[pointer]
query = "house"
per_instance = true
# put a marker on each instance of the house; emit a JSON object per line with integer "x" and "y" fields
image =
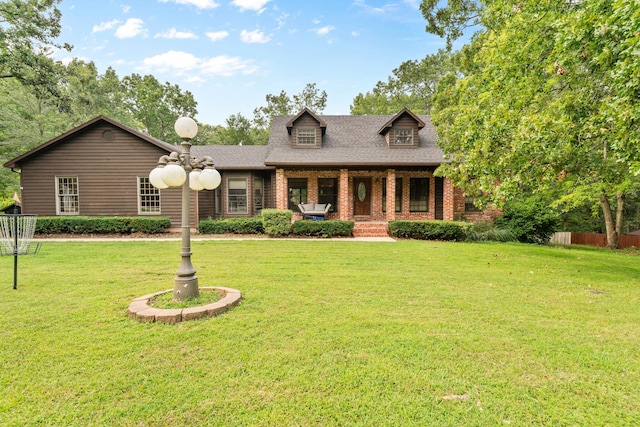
{"x": 370, "y": 168}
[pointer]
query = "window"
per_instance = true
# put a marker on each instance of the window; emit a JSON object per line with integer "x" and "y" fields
{"x": 328, "y": 192}
{"x": 67, "y": 200}
{"x": 297, "y": 192}
{"x": 306, "y": 136}
{"x": 258, "y": 195}
{"x": 419, "y": 194}
{"x": 398, "y": 195}
{"x": 469, "y": 205}
{"x": 237, "y": 196}
{"x": 148, "y": 197}
{"x": 404, "y": 136}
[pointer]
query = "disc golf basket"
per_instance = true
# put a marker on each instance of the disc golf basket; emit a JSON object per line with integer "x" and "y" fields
{"x": 16, "y": 232}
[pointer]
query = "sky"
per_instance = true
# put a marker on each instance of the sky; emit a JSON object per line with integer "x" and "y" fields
{"x": 231, "y": 53}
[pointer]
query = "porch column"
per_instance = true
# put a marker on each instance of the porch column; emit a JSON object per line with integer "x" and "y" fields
{"x": 281, "y": 190}
{"x": 448, "y": 200}
{"x": 391, "y": 194}
{"x": 343, "y": 197}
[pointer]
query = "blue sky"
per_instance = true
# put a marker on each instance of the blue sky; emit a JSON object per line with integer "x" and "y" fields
{"x": 231, "y": 53}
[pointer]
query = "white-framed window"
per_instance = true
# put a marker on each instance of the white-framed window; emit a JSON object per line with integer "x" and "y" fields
{"x": 258, "y": 195}
{"x": 148, "y": 197}
{"x": 404, "y": 136}
{"x": 237, "y": 196}
{"x": 306, "y": 136}
{"x": 67, "y": 196}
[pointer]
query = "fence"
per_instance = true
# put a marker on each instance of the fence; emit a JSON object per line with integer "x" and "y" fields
{"x": 593, "y": 239}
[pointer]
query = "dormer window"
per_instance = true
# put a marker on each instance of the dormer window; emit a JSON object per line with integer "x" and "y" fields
{"x": 306, "y": 136}
{"x": 404, "y": 136}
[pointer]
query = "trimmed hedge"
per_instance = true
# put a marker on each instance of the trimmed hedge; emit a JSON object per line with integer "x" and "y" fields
{"x": 231, "y": 226}
{"x": 101, "y": 225}
{"x": 330, "y": 228}
{"x": 276, "y": 222}
{"x": 430, "y": 230}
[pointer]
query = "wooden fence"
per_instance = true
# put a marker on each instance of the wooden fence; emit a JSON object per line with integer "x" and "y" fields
{"x": 593, "y": 239}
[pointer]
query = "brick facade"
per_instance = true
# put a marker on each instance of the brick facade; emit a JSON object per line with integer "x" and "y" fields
{"x": 346, "y": 194}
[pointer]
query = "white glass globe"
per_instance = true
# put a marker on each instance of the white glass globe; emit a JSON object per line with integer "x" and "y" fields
{"x": 210, "y": 178}
{"x": 194, "y": 180}
{"x": 186, "y": 127}
{"x": 173, "y": 175}
{"x": 155, "y": 178}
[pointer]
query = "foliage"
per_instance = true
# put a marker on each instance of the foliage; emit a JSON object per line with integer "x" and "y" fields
{"x": 412, "y": 85}
{"x": 156, "y": 106}
{"x": 329, "y": 228}
{"x": 330, "y": 333}
{"x": 276, "y": 222}
{"x": 490, "y": 232}
{"x": 531, "y": 220}
{"x": 429, "y": 230}
{"x": 284, "y": 105}
{"x": 101, "y": 225}
{"x": 28, "y": 33}
{"x": 231, "y": 226}
{"x": 545, "y": 99}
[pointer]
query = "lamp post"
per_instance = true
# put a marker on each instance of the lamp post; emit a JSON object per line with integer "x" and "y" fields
{"x": 181, "y": 169}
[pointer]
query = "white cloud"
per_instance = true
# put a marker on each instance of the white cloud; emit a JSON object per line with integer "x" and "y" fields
{"x": 414, "y": 4}
{"x": 132, "y": 28}
{"x": 175, "y": 34}
{"x": 355, "y": 33}
{"x": 256, "y": 5}
{"x": 214, "y": 36}
{"x": 200, "y": 4}
{"x": 104, "y": 26}
{"x": 255, "y": 36}
{"x": 126, "y": 9}
{"x": 171, "y": 61}
{"x": 384, "y": 9}
{"x": 224, "y": 65}
{"x": 323, "y": 31}
{"x": 191, "y": 67}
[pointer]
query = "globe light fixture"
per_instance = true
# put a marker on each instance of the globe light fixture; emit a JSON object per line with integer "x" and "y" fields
{"x": 190, "y": 173}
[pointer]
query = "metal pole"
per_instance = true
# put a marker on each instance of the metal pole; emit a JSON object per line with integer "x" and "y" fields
{"x": 15, "y": 248}
{"x": 186, "y": 281}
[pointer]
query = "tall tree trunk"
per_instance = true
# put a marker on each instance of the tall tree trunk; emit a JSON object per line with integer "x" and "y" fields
{"x": 612, "y": 234}
{"x": 620, "y": 213}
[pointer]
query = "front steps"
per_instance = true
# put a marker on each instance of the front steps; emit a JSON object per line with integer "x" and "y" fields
{"x": 371, "y": 229}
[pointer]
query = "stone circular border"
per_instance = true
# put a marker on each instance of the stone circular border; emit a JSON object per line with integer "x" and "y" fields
{"x": 140, "y": 309}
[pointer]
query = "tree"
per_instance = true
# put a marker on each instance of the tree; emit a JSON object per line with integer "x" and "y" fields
{"x": 283, "y": 105}
{"x": 28, "y": 29}
{"x": 546, "y": 99}
{"x": 412, "y": 85}
{"x": 156, "y": 107}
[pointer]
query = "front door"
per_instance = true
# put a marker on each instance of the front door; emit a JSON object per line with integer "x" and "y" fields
{"x": 362, "y": 196}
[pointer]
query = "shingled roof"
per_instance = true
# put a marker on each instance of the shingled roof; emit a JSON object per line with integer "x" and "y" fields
{"x": 234, "y": 157}
{"x": 353, "y": 141}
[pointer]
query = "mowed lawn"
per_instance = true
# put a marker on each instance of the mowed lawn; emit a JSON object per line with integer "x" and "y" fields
{"x": 330, "y": 333}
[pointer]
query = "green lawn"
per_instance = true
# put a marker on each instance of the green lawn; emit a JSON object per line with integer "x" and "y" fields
{"x": 330, "y": 333}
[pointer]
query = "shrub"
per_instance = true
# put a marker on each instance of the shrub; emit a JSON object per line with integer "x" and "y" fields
{"x": 100, "y": 225}
{"x": 231, "y": 226}
{"x": 429, "y": 230}
{"x": 330, "y": 228}
{"x": 276, "y": 223}
{"x": 531, "y": 220}
{"x": 489, "y": 232}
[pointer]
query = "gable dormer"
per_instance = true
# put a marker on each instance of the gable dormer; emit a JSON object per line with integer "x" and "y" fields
{"x": 402, "y": 130}
{"x": 306, "y": 130}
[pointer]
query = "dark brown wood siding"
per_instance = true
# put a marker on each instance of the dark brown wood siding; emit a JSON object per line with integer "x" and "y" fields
{"x": 403, "y": 122}
{"x": 306, "y": 122}
{"x": 107, "y": 169}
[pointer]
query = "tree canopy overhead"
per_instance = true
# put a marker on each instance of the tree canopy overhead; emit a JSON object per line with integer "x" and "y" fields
{"x": 547, "y": 98}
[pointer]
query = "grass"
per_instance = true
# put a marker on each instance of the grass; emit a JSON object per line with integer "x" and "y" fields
{"x": 330, "y": 333}
{"x": 166, "y": 300}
